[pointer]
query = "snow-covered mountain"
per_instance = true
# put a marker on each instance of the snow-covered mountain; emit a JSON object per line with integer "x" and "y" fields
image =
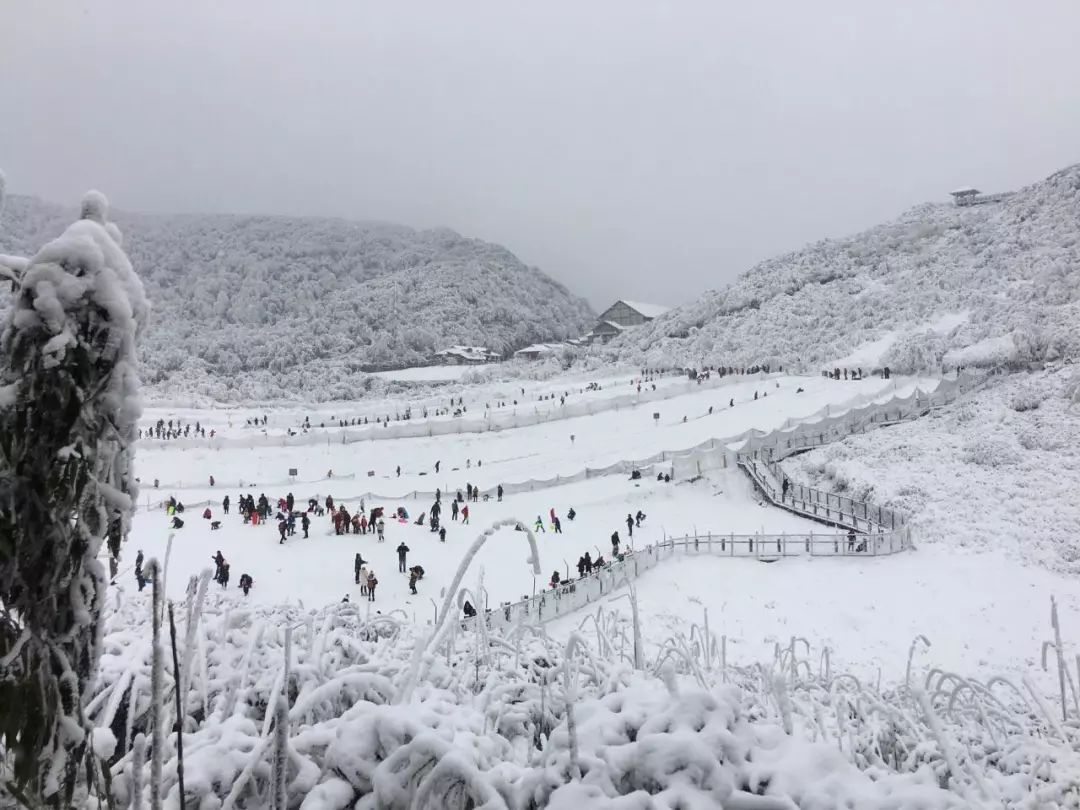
{"x": 280, "y": 306}
{"x": 988, "y": 284}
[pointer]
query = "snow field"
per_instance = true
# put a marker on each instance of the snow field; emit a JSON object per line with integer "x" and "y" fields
{"x": 983, "y": 614}
{"x": 320, "y": 569}
{"x": 534, "y": 452}
{"x": 230, "y": 420}
{"x": 489, "y": 717}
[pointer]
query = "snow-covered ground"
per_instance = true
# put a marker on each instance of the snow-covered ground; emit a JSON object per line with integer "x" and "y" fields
{"x": 999, "y": 471}
{"x": 983, "y": 604}
{"x": 982, "y": 612}
{"x": 869, "y": 610}
{"x": 424, "y": 373}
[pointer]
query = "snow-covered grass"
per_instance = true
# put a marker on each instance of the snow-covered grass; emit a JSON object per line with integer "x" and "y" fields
{"x": 524, "y": 720}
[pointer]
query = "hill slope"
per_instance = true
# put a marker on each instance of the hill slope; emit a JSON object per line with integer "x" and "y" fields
{"x": 268, "y": 307}
{"x": 989, "y": 284}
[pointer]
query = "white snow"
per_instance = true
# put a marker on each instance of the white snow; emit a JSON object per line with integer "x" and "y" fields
{"x": 424, "y": 373}
{"x": 648, "y": 310}
{"x": 983, "y": 607}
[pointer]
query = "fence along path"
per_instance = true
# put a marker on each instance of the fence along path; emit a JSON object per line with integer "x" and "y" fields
{"x": 520, "y": 416}
{"x": 871, "y": 530}
{"x": 856, "y": 415}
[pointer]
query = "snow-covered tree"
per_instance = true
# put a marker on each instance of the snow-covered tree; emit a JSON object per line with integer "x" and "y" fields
{"x": 68, "y": 409}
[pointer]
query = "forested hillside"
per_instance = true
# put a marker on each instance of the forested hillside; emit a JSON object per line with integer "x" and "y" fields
{"x": 268, "y": 307}
{"x": 988, "y": 284}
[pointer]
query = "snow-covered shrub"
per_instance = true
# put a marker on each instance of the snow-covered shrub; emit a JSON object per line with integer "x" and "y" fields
{"x": 1039, "y": 437}
{"x": 991, "y": 451}
{"x": 1026, "y": 399}
{"x": 914, "y": 353}
{"x": 68, "y": 409}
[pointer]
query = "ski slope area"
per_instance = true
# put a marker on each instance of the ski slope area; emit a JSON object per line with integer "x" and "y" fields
{"x": 984, "y": 614}
{"x": 538, "y": 451}
{"x": 320, "y": 569}
{"x": 499, "y": 398}
{"x": 831, "y": 602}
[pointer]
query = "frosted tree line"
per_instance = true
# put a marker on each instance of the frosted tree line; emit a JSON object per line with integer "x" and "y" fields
{"x": 1008, "y": 269}
{"x": 280, "y": 307}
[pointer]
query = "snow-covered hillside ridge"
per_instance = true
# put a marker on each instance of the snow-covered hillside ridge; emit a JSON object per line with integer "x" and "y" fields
{"x": 301, "y": 304}
{"x": 986, "y": 284}
{"x": 999, "y": 469}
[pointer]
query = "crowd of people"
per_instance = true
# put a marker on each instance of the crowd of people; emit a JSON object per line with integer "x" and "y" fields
{"x": 168, "y": 429}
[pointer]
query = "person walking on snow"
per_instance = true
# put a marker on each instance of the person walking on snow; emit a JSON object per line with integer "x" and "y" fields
{"x": 225, "y": 505}
{"x": 614, "y": 544}
{"x": 363, "y": 581}
{"x": 382, "y": 529}
{"x": 305, "y": 524}
{"x": 629, "y": 524}
{"x": 588, "y": 563}
{"x": 539, "y": 525}
{"x": 219, "y": 560}
{"x": 283, "y": 528}
{"x": 245, "y": 583}
{"x": 412, "y": 581}
{"x": 499, "y": 491}
{"x": 558, "y": 525}
{"x": 453, "y": 510}
{"x": 465, "y": 515}
{"x": 371, "y": 583}
{"x": 139, "y": 579}
{"x": 442, "y": 534}
{"x": 402, "y": 550}
{"x": 358, "y": 565}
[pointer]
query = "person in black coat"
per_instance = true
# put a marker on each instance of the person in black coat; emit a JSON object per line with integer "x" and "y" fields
{"x": 358, "y": 563}
{"x": 402, "y": 550}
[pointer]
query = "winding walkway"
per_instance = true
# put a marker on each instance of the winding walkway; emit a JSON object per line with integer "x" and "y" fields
{"x": 867, "y": 530}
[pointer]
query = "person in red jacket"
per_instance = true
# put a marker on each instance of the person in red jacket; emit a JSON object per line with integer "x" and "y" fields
{"x": 465, "y": 514}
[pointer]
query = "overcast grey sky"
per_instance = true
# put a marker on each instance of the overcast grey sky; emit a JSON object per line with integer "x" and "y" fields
{"x": 630, "y": 149}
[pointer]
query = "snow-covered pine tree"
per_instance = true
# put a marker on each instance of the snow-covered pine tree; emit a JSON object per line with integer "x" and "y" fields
{"x": 68, "y": 409}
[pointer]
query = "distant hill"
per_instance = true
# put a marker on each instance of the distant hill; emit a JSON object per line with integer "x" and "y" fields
{"x": 987, "y": 284}
{"x": 267, "y": 307}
